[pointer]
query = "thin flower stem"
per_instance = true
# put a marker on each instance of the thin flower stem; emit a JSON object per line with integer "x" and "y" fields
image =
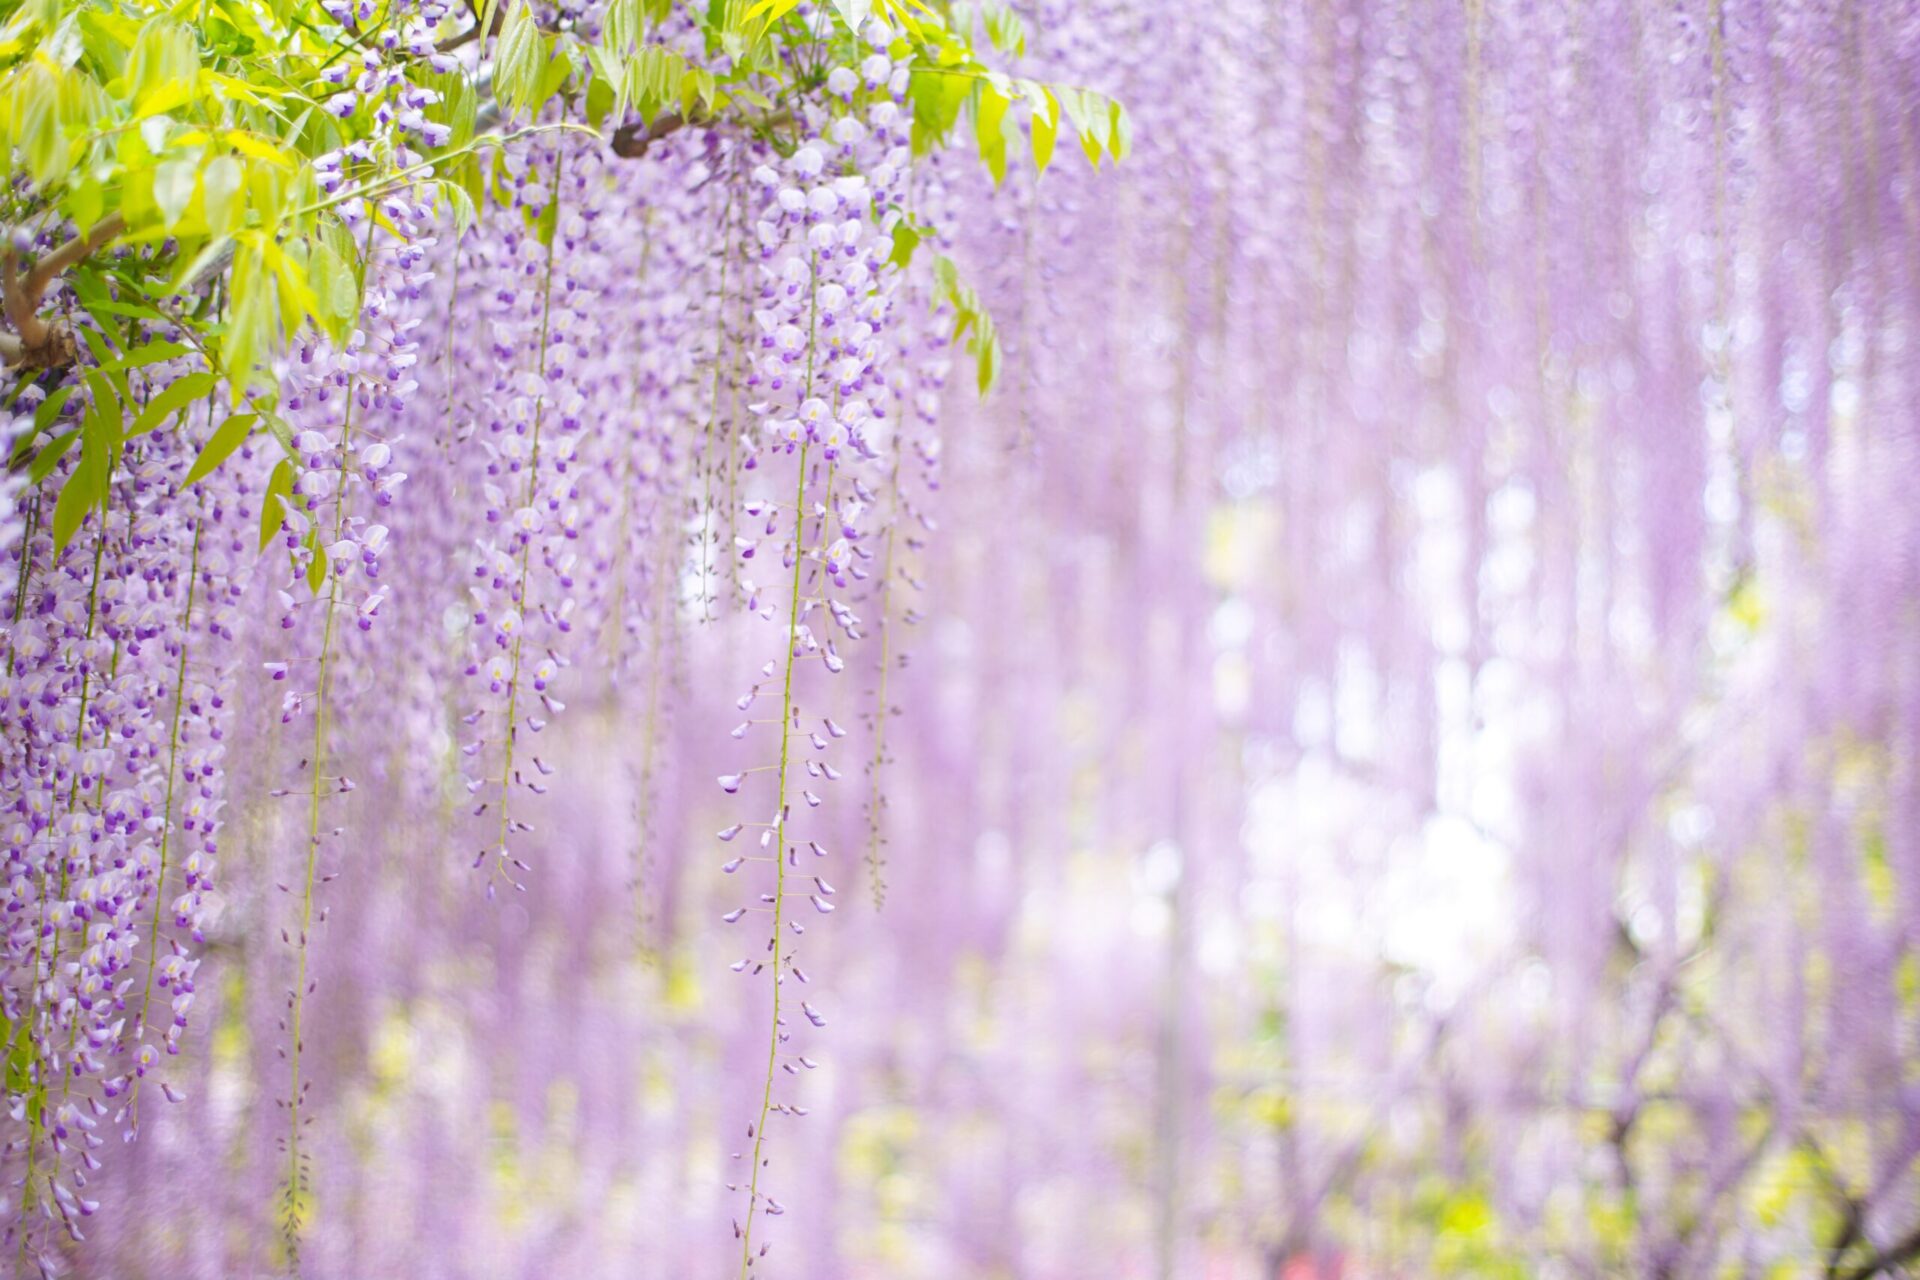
{"x": 35, "y": 1118}
{"x": 713, "y": 418}
{"x": 99, "y": 794}
{"x": 659, "y": 629}
{"x": 874, "y": 798}
{"x": 780, "y": 797}
{"x": 317, "y": 766}
{"x": 26, "y": 573}
{"x": 166, "y": 813}
{"x": 735, "y": 354}
{"x": 780, "y": 898}
{"x": 453, "y": 308}
{"x": 526, "y": 547}
{"x": 617, "y": 606}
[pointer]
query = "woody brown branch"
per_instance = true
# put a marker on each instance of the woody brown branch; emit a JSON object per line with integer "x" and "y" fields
{"x": 34, "y": 343}
{"x": 473, "y": 32}
{"x": 630, "y": 141}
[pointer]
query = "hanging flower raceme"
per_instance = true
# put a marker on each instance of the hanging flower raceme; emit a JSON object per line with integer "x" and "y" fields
{"x": 914, "y": 381}
{"x": 328, "y": 507}
{"x": 535, "y": 440}
{"x": 821, "y": 405}
{"x": 113, "y": 710}
{"x": 664, "y": 401}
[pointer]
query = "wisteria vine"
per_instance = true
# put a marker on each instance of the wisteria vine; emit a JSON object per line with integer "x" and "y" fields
{"x": 1383, "y": 746}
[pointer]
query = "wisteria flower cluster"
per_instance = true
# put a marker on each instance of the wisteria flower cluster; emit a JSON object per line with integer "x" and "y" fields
{"x": 1383, "y": 745}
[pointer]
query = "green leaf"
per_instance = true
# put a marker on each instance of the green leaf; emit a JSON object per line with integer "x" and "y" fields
{"x": 87, "y": 201}
{"x": 203, "y": 261}
{"x": 178, "y": 395}
{"x": 462, "y": 106}
{"x": 146, "y": 354}
{"x": 771, "y": 11}
{"x": 139, "y": 311}
{"x": 316, "y": 561}
{"x": 249, "y": 327}
{"x": 86, "y": 487}
{"x": 165, "y": 60}
{"x": 556, "y": 65}
{"x": 853, "y": 12}
{"x": 1096, "y": 125}
{"x": 36, "y": 127}
{"x": 986, "y": 353}
{"x": 938, "y": 97}
{"x": 906, "y": 238}
{"x": 971, "y": 321}
{"x": 1045, "y": 123}
{"x": 173, "y": 183}
{"x": 655, "y": 78}
{"x": 621, "y": 30}
{"x": 516, "y": 64}
{"x": 548, "y": 221}
{"x": 705, "y": 86}
{"x": 460, "y": 204}
{"x": 336, "y": 293}
{"x": 20, "y": 1060}
{"x": 106, "y": 413}
{"x": 1093, "y": 118}
{"x": 70, "y": 511}
{"x": 104, "y": 343}
{"x": 599, "y": 101}
{"x": 89, "y": 287}
{"x": 49, "y": 457}
{"x": 220, "y": 185}
{"x": 229, "y": 436}
{"x": 1121, "y": 145}
{"x": 989, "y": 116}
{"x": 50, "y": 408}
{"x": 1005, "y": 29}
{"x": 282, "y": 432}
{"x": 272, "y": 514}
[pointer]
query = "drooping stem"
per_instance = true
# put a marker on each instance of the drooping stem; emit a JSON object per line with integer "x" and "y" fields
{"x": 99, "y": 794}
{"x": 526, "y": 545}
{"x": 446, "y": 367}
{"x": 316, "y": 765}
{"x": 779, "y": 871}
{"x": 26, "y": 572}
{"x": 780, "y": 795}
{"x": 36, "y": 1120}
{"x": 713, "y": 417}
{"x": 166, "y": 813}
{"x": 616, "y": 609}
{"x": 875, "y": 797}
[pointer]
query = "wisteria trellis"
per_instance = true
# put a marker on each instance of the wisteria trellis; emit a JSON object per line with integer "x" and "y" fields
{"x": 1387, "y": 744}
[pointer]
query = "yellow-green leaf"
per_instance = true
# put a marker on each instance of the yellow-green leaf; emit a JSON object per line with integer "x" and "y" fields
{"x": 771, "y": 11}
{"x": 272, "y": 513}
{"x": 1045, "y": 123}
{"x": 228, "y": 437}
{"x": 178, "y": 395}
{"x": 173, "y": 182}
{"x": 316, "y": 561}
{"x": 220, "y": 186}
{"x": 989, "y": 116}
